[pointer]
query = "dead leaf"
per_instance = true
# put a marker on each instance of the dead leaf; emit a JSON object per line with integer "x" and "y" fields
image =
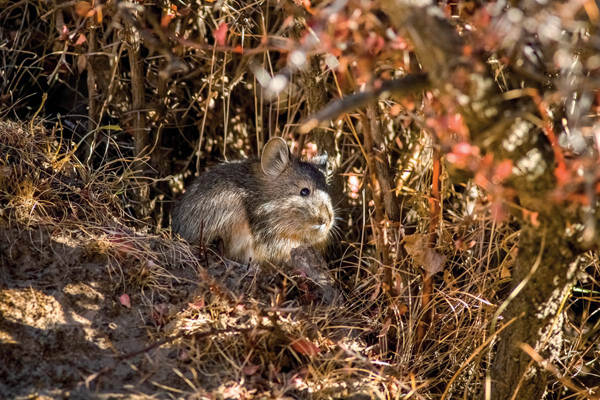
{"x": 505, "y": 272}
{"x": 375, "y": 292}
{"x": 198, "y": 303}
{"x": 160, "y": 314}
{"x": 305, "y": 347}
{"x": 82, "y": 8}
{"x": 81, "y": 63}
{"x": 449, "y": 280}
{"x": 417, "y": 247}
{"x": 99, "y": 14}
{"x": 402, "y": 309}
{"x": 125, "y": 300}
{"x": 385, "y": 327}
{"x": 250, "y": 369}
{"x": 235, "y": 391}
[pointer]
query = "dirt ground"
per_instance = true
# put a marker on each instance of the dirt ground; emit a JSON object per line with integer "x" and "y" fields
{"x": 67, "y": 330}
{"x": 63, "y": 324}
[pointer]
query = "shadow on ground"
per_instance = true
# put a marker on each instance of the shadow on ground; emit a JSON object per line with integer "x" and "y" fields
{"x": 61, "y": 323}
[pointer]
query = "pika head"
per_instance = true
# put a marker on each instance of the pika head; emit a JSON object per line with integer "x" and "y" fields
{"x": 295, "y": 204}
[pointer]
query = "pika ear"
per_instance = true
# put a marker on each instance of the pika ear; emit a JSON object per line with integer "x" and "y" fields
{"x": 320, "y": 162}
{"x": 275, "y": 157}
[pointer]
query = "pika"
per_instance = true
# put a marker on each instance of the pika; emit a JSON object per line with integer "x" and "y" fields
{"x": 261, "y": 209}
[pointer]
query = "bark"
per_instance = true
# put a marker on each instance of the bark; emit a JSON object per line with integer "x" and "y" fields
{"x": 377, "y": 195}
{"x": 383, "y": 171}
{"x": 316, "y": 98}
{"x": 141, "y": 137}
{"x": 547, "y": 267}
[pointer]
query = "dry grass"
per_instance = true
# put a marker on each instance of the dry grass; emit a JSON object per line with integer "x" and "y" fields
{"x": 242, "y": 332}
{"x": 255, "y": 336}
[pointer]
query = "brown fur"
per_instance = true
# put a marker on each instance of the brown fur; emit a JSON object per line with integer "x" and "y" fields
{"x": 256, "y": 207}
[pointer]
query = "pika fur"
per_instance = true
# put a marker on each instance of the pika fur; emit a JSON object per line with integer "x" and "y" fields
{"x": 260, "y": 208}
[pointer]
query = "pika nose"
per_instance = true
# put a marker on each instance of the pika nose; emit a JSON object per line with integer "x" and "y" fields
{"x": 325, "y": 215}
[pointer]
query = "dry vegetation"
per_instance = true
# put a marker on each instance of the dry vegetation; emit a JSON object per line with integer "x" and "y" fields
{"x": 107, "y": 110}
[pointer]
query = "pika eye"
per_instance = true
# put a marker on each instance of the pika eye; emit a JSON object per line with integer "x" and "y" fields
{"x": 304, "y": 192}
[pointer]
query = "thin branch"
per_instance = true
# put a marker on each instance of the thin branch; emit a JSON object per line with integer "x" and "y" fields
{"x": 400, "y": 87}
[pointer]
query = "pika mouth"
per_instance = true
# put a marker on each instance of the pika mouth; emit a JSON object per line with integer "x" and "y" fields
{"x": 322, "y": 228}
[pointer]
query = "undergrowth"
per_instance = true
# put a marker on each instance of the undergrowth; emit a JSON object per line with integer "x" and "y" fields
{"x": 70, "y": 167}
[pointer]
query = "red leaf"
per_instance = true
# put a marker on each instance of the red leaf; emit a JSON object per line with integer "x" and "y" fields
{"x": 374, "y": 43}
{"x": 482, "y": 18}
{"x": 532, "y": 216}
{"x": 168, "y": 16}
{"x": 122, "y": 244}
{"x": 481, "y": 180}
{"x": 166, "y": 20}
{"x": 457, "y": 124}
{"x": 498, "y": 211}
{"x": 81, "y": 39}
{"x": 220, "y": 34}
{"x": 125, "y": 300}
{"x": 561, "y": 174}
{"x": 400, "y": 43}
{"x": 305, "y": 347}
{"x": 464, "y": 156}
{"x": 503, "y": 171}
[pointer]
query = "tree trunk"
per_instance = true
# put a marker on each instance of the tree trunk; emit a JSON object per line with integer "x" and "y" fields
{"x": 547, "y": 267}
{"x": 141, "y": 136}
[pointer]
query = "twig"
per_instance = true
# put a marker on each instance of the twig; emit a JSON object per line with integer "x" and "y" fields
{"x": 435, "y": 218}
{"x": 406, "y": 85}
{"x": 91, "y": 81}
{"x": 140, "y": 134}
